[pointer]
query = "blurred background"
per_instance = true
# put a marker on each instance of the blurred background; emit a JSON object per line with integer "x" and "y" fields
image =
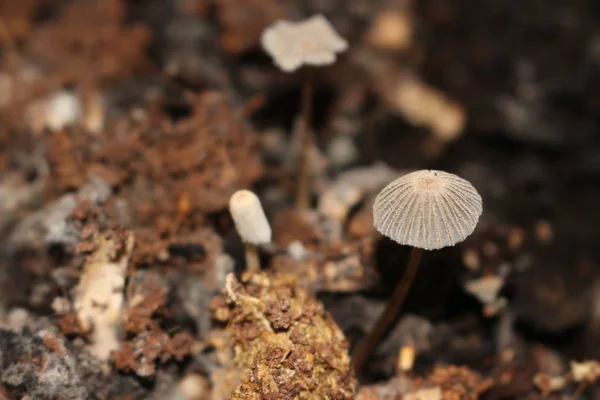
{"x": 144, "y": 116}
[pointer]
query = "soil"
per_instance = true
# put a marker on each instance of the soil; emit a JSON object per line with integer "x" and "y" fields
{"x": 126, "y": 126}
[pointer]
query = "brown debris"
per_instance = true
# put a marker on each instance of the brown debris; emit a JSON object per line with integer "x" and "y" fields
{"x": 90, "y": 42}
{"x": 54, "y": 343}
{"x": 456, "y": 383}
{"x": 139, "y": 317}
{"x": 459, "y": 383}
{"x": 284, "y": 343}
{"x": 199, "y": 161}
{"x": 69, "y": 171}
{"x": 99, "y": 295}
{"x": 180, "y": 345}
{"x": 320, "y": 255}
{"x": 289, "y": 226}
{"x": 150, "y": 345}
{"x": 243, "y": 21}
{"x": 361, "y": 224}
{"x": 394, "y": 389}
{"x": 16, "y": 19}
{"x": 142, "y": 354}
{"x": 69, "y": 324}
{"x": 343, "y": 270}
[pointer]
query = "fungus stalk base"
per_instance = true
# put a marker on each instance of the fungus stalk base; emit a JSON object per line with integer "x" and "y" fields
{"x": 303, "y": 193}
{"x": 365, "y": 349}
{"x": 252, "y": 258}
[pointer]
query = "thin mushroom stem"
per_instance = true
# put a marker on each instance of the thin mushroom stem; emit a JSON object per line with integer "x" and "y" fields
{"x": 365, "y": 349}
{"x": 306, "y": 143}
{"x": 252, "y": 258}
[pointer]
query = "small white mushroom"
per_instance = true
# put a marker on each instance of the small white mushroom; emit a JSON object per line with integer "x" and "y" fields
{"x": 251, "y": 224}
{"x": 313, "y": 41}
{"x": 428, "y": 209}
{"x": 249, "y": 217}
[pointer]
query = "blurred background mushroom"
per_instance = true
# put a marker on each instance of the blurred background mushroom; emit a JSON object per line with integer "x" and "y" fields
{"x": 310, "y": 43}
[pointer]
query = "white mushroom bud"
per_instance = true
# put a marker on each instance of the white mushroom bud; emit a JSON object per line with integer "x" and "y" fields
{"x": 313, "y": 41}
{"x": 249, "y": 218}
{"x": 427, "y": 209}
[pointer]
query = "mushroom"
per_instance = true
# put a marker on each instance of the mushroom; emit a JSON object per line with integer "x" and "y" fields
{"x": 251, "y": 224}
{"x": 312, "y": 42}
{"x": 427, "y": 210}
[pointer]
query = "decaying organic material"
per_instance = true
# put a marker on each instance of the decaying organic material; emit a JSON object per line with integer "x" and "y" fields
{"x": 444, "y": 383}
{"x": 108, "y": 49}
{"x": 321, "y": 255}
{"x": 147, "y": 344}
{"x": 285, "y": 345}
{"x": 100, "y": 293}
{"x": 124, "y": 119}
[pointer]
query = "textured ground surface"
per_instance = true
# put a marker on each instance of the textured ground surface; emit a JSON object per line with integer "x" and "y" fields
{"x": 125, "y": 126}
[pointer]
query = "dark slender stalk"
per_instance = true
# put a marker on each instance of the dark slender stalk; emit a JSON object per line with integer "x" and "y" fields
{"x": 365, "y": 349}
{"x": 303, "y": 193}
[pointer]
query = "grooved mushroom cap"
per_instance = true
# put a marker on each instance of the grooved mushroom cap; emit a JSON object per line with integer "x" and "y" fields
{"x": 249, "y": 217}
{"x": 427, "y": 209}
{"x": 313, "y": 41}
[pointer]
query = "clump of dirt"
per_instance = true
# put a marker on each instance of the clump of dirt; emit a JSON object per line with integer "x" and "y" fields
{"x": 199, "y": 160}
{"x": 147, "y": 344}
{"x": 443, "y": 383}
{"x": 284, "y": 342}
{"x": 90, "y": 42}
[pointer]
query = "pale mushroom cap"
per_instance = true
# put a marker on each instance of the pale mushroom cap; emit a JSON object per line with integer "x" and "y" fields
{"x": 249, "y": 217}
{"x": 427, "y": 209}
{"x": 313, "y": 41}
